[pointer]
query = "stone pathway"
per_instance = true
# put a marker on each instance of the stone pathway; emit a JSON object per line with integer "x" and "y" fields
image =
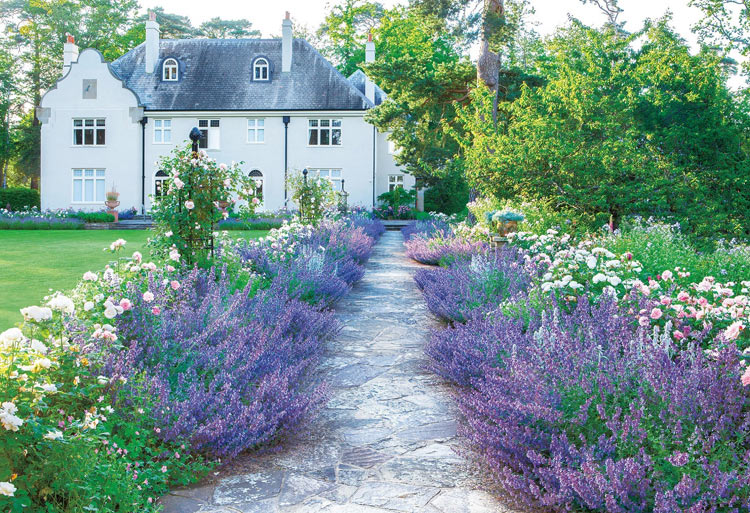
{"x": 387, "y": 439}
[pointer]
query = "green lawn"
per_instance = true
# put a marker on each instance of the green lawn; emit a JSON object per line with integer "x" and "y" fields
{"x": 32, "y": 263}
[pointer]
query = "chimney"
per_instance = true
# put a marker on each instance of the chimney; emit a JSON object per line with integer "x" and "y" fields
{"x": 370, "y": 57}
{"x": 152, "y": 42}
{"x": 70, "y": 53}
{"x": 286, "y": 44}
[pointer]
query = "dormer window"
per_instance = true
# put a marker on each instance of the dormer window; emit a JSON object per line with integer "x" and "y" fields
{"x": 260, "y": 69}
{"x": 170, "y": 68}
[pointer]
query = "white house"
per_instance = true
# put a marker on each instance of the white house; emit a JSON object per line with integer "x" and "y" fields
{"x": 275, "y": 104}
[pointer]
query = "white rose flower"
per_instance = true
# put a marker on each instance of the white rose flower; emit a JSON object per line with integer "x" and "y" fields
{"x": 88, "y": 306}
{"x": 36, "y": 313}
{"x": 598, "y": 278}
{"x": 614, "y": 280}
{"x": 49, "y": 388}
{"x": 38, "y": 346}
{"x": 62, "y": 304}
{"x": 7, "y": 489}
{"x": 591, "y": 262}
{"x": 55, "y": 434}
{"x": 11, "y": 336}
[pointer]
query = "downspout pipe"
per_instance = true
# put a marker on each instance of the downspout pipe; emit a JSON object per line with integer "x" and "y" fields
{"x": 144, "y": 122}
{"x": 286, "y": 120}
{"x": 374, "y": 140}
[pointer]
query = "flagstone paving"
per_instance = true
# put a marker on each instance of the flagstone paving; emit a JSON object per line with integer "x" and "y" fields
{"x": 386, "y": 440}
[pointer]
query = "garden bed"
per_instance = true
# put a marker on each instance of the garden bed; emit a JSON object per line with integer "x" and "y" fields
{"x": 589, "y": 379}
{"x": 150, "y": 372}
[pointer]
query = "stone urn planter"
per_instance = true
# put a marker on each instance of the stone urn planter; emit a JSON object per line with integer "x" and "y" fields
{"x": 112, "y": 203}
{"x": 502, "y": 224}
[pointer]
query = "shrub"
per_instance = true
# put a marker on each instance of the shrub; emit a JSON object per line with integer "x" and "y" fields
{"x": 93, "y": 217}
{"x": 448, "y": 195}
{"x": 473, "y": 287}
{"x": 229, "y": 370}
{"x": 19, "y": 198}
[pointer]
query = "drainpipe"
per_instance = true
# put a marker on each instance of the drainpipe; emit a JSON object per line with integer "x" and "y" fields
{"x": 374, "y": 139}
{"x": 286, "y": 120}
{"x": 144, "y": 121}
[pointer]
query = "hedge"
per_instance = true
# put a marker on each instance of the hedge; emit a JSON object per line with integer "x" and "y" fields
{"x": 19, "y": 198}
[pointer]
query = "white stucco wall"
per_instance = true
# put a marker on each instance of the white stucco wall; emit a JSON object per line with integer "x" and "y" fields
{"x": 120, "y": 156}
{"x": 353, "y": 156}
{"x": 387, "y": 166}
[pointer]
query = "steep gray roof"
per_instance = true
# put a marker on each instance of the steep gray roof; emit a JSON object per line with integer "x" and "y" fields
{"x": 215, "y": 74}
{"x": 358, "y": 79}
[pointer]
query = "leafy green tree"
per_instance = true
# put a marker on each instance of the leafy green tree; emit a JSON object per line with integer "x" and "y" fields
{"x": 725, "y": 23}
{"x": 344, "y": 32}
{"x": 7, "y": 65}
{"x": 617, "y": 130}
{"x": 222, "y": 29}
{"x": 421, "y": 68}
{"x": 171, "y": 26}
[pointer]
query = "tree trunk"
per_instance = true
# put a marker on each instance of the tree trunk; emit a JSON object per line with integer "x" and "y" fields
{"x": 488, "y": 64}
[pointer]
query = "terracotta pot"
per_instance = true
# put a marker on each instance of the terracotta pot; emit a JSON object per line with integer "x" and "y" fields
{"x": 112, "y": 204}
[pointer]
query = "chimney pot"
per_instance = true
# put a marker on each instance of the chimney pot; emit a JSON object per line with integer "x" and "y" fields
{"x": 70, "y": 52}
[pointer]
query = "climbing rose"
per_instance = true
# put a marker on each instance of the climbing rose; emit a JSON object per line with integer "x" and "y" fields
{"x": 189, "y": 205}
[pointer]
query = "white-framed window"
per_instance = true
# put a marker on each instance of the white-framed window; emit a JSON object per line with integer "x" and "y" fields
{"x": 257, "y": 177}
{"x": 162, "y": 131}
{"x": 210, "y": 134}
{"x": 332, "y": 175}
{"x": 256, "y": 130}
{"x": 395, "y": 181}
{"x": 324, "y": 132}
{"x": 89, "y": 132}
{"x": 88, "y": 185}
{"x": 170, "y": 70}
{"x": 260, "y": 69}
{"x": 160, "y": 184}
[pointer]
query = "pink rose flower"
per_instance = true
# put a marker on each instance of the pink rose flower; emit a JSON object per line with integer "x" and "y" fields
{"x": 148, "y": 296}
{"x": 643, "y": 321}
{"x": 678, "y": 335}
{"x": 734, "y": 330}
{"x": 666, "y": 300}
{"x": 656, "y": 313}
{"x": 125, "y": 304}
{"x": 174, "y": 284}
{"x": 189, "y": 205}
{"x": 683, "y": 296}
{"x": 156, "y": 310}
{"x": 746, "y": 377}
{"x": 666, "y": 275}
